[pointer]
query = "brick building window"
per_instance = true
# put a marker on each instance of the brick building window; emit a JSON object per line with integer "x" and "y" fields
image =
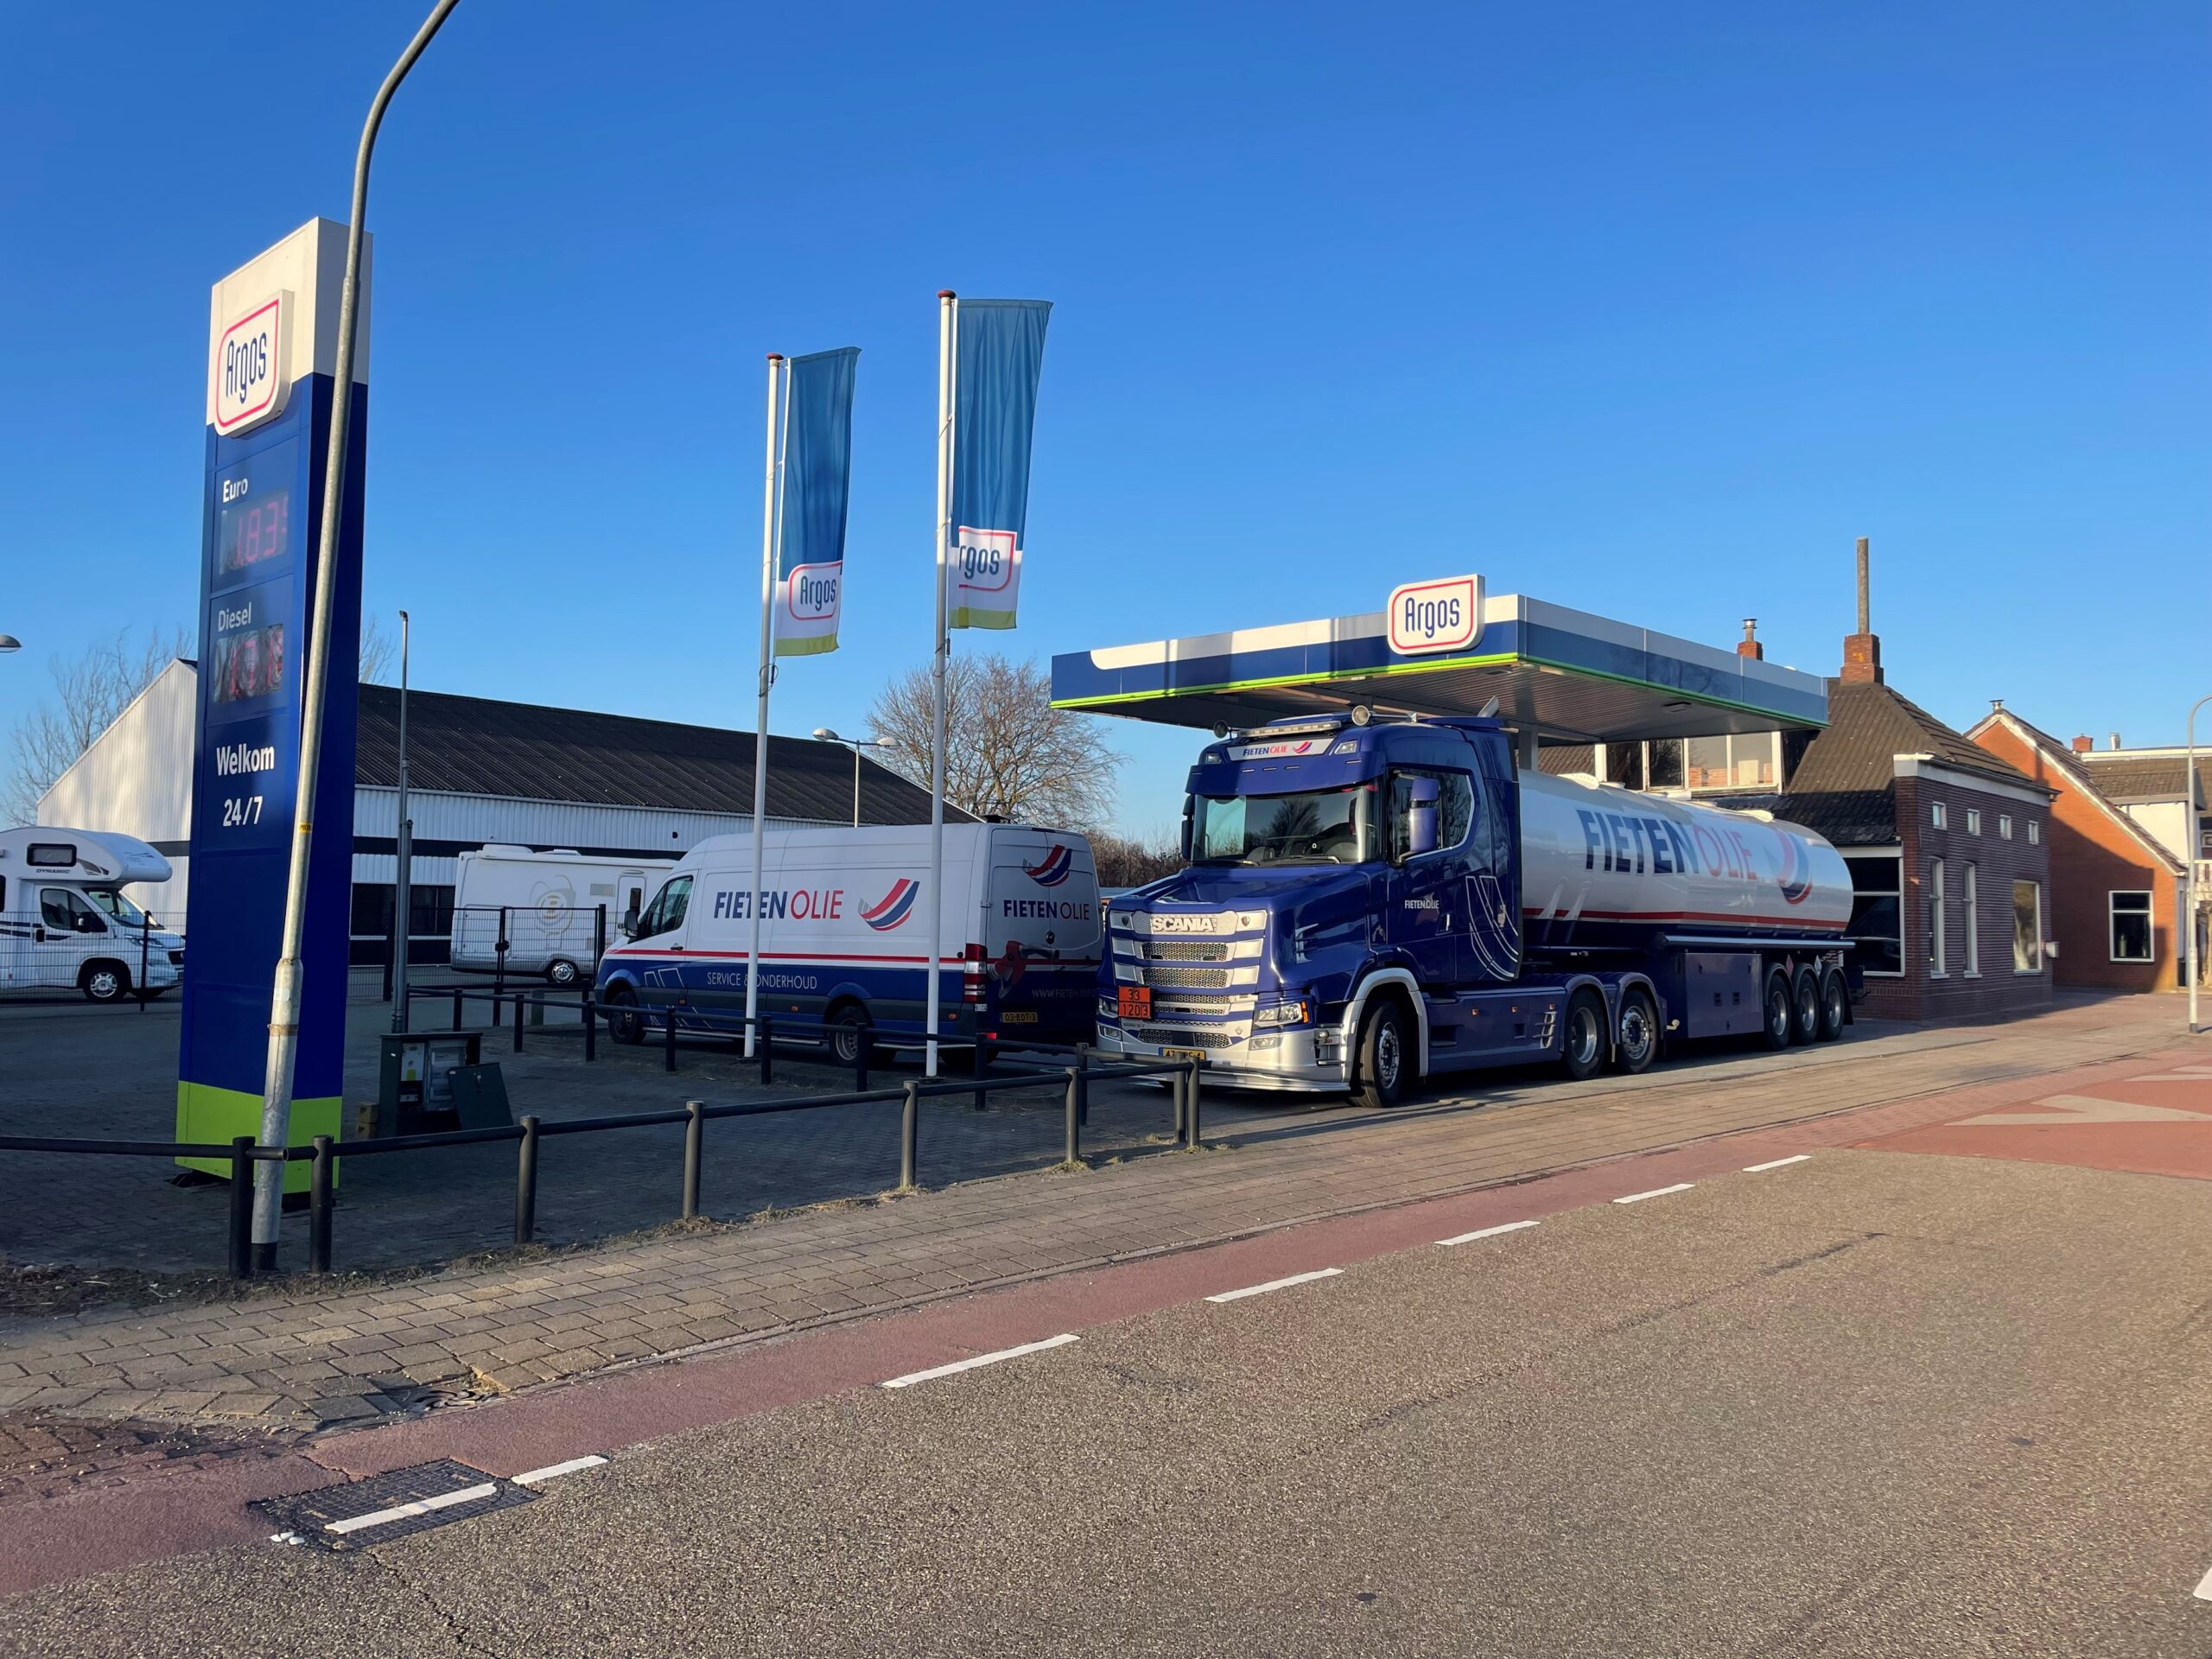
{"x": 1937, "y": 816}
{"x": 2004, "y": 825}
{"x": 1974, "y": 820}
{"x": 1936, "y": 940}
{"x": 1971, "y": 905}
{"x": 2131, "y": 926}
{"x": 2027, "y": 927}
{"x": 1877, "y": 913}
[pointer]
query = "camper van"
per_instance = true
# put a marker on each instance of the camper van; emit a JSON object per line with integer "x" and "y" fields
{"x": 844, "y": 936}
{"x": 65, "y": 924}
{"x": 548, "y": 904}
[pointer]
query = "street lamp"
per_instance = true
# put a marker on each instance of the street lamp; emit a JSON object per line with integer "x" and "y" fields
{"x": 2192, "y": 849}
{"x": 823, "y": 733}
{"x": 9, "y": 642}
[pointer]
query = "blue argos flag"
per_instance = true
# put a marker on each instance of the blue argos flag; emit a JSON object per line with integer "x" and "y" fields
{"x": 817, "y": 483}
{"x": 1000, "y": 354}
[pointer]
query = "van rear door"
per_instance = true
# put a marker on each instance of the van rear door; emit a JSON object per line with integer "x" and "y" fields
{"x": 1041, "y": 930}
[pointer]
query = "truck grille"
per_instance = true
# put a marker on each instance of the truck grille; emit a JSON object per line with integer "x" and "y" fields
{"x": 1168, "y": 1039}
{"x": 1182, "y": 950}
{"x": 1194, "y": 979}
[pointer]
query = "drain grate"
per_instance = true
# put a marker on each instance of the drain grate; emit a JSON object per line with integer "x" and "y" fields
{"x": 388, "y": 1506}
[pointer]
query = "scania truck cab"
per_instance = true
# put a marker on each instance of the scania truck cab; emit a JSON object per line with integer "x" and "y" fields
{"x": 1369, "y": 901}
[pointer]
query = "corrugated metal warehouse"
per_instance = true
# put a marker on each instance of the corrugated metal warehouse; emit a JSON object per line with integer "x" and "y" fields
{"x": 478, "y": 770}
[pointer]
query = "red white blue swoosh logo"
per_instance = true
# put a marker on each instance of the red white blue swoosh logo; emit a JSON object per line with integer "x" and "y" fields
{"x": 894, "y": 907}
{"x": 1056, "y": 866}
{"x": 1796, "y": 874}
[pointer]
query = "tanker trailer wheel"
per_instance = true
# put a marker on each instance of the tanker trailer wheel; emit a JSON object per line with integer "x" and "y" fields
{"x": 1582, "y": 1054}
{"x": 1804, "y": 1006}
{"x": 1835, "y": 1005}
{"x": 1637, "y": 1045}
{"x": 1385, "y": 1057}
{"x": 1780, "y": 1012}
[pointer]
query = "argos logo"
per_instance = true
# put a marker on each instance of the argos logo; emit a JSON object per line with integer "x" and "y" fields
{"x": 251, "y": 369}
{"x": 1055, "y": 868}
{"x": 1445, "y": 615}
{"x": 894, "y": 907}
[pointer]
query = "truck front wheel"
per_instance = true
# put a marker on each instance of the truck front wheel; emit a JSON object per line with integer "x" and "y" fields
{"x": 1583, "y": 1054}
{"x": 1385, "y": 1057}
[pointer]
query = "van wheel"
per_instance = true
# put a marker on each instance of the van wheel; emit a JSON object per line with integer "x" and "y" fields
{"x": 1638, "y": 1042}
{"x": 1781, "y": 1016}
{"x": 847, "y": 1029}
{"x": 1835, "y": 1007}
{"x": 1385, "y": 1057}
{"x": 104, "y": 981}
{"x": 1804, "y": 1006}
{"x": 1582, "y": 1054}
{"x": 624, "y": 1023}
{"x": 562, "y": 973}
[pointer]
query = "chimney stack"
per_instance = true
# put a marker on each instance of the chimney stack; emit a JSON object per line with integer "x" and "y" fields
{"x": 2084, "y": 743}
{"x": 1749, "y": 644}
{"x": 1997, "y": 705}
{"x": 1862, "y": 652}
{"x": 2115, "y": 740}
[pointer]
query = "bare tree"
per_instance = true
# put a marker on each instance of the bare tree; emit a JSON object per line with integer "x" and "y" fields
{"x": 1133, "y": 861}
{"x": 1008, "y": 752}
{"x": 377, "y": 652}
{"x": 88, "y": 694}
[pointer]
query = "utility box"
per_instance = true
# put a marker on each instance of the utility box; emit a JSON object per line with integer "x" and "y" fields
{"x": 414, "y": 1092}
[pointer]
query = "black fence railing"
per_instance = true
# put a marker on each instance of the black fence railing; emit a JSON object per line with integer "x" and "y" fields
{"x": 71, "y": 943}
{"x": 1027, "y": 1070}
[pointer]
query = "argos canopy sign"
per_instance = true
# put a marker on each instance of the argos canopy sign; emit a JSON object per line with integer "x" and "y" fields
{"x": 251, "y": 371}
{"x": 1445, "y": 615}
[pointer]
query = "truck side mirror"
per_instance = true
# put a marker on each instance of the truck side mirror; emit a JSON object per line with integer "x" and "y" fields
{"x": 1183, "y": 839}
{"x": 1420, "y": 836}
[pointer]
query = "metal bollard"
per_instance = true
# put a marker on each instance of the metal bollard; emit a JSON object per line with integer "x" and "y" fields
{"x": 978, "y": 1062}
{"x": 1196, "y": 1134}
{"x": 694, "y": 1146}
{"x": 1177, "y": 1081}
{"x": 241, "y": 1206}
{"x": 1073, "y": 1152}
{"x": 668, "y": 1057}
{"x": 456, "y": 1007}
{"x": 518, "y": 1022}
{"x": 910, "y": 1118}
{"x": 319, "y": 1206}
{"x": 862, "y": 1043}
{"x": 1083, "y": 1084}
{"x": 767, "y": 1048}
{"x": 591, "y": 1027}
{"x": 526, "y": 1182}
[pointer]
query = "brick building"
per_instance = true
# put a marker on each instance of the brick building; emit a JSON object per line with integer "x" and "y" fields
{"x": 2115, "y": 890}
{"x": 1947, "y": 842}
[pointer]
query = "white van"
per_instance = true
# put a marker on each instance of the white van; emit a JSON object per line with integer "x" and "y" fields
{"x": 549, "y": 905}
{"x": 844, "y": 935}
{"x": 65, "y": 924}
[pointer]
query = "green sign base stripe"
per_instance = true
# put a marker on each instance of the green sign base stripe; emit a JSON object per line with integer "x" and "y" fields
{"x": 965, "y": 619}
{"x": 204, "y": 1113}
{"x": 814, "y": 646}
{"x": 1507, "y": 661}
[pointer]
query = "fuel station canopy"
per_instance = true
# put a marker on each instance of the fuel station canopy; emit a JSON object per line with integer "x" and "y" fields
{"x": 1566, "y": 674}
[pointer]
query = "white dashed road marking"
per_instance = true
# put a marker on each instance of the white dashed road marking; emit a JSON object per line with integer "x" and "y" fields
{"x": 1776, "y": 1163}
{"x": 552, "y": 1470}
{"x": 935, "y": 1371}
{"x": 402, "y": 1512}
{"x": 2204, "y": 1588}
{"x": 1656, "y": 1193}
{"x": 1276, "y": 1284}
{"x": 1487, "y": 1232}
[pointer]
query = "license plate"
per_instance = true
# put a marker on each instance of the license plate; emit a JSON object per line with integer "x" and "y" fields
{"x": 1182, "y": 1053}
{"x": 1021, "y": 1017}
{"x": 1132, "y": 1001}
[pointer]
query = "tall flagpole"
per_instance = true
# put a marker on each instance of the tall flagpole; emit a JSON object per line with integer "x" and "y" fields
{"x": 769, "y": 504}
{"x": 948, "y": 335}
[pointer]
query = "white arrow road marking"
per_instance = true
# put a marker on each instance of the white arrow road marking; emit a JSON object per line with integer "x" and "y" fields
{"x": 2087, "y": 1108}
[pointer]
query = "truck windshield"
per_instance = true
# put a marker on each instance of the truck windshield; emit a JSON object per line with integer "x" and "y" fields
{"x": 108, "y": 899}
{"x": 1331, "y": 826}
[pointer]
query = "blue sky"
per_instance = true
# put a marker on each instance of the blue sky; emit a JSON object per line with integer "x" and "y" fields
{"x": 1646, "y": 309}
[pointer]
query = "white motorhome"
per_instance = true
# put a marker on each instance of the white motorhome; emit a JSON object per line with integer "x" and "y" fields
{"x": 65, "y": 924}
{"x": 546, "y": 906}
{"x": 844, "y": 936}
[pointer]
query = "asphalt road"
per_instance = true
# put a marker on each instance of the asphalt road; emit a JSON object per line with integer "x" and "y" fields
{"x": 1873, "y": 1403}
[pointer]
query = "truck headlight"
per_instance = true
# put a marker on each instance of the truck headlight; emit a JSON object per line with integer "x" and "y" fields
{"x": 1293, "y": 1012}
{"x": 1107, "y": 1010}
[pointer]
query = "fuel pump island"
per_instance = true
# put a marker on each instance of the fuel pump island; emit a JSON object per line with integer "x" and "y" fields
{"x": 1381, "y": 884}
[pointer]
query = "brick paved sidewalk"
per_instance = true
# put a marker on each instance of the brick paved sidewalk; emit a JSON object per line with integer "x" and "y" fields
{"x": 288, "y": 1361}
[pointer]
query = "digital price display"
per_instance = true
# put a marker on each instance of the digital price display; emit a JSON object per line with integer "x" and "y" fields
{"x": 253, "y": 530}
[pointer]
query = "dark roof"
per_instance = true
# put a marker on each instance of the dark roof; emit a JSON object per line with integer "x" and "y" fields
{"x": 2142, "y": 776}
{"x": 2067, "y": 769}
{"x": 473, "y": 746}
{"x": 1844, "y": 786}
